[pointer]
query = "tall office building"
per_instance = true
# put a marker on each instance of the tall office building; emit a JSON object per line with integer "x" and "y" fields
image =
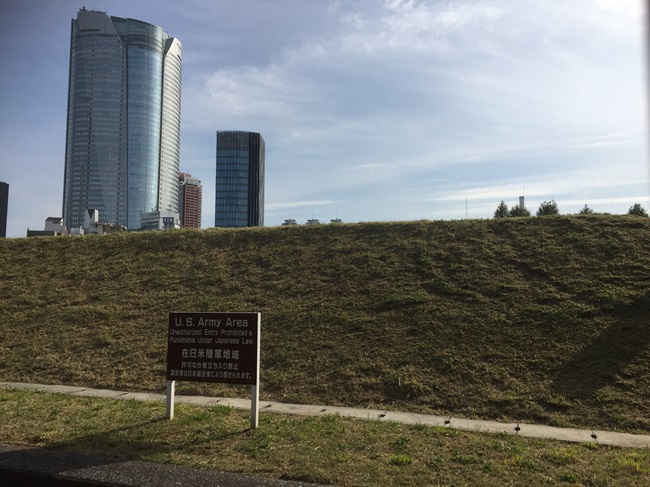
{"x": 189, "y": 198}
{"x": 239, "y": 199}
{"x": 4, "y": 206}
{"x": 123, "y": 131}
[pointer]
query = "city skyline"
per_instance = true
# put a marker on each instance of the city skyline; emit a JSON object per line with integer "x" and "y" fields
{"x": 123, "y": 130}
{"x": 393, "y": 110}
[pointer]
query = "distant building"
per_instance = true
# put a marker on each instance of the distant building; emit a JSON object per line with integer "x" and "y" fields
{"x": 312, "y": 221}
{"x": 4, "y": 206}
{"x": 54, "y": 227}
{"x": 159, "y": 220}
{"x": 92, "y": 225}
{"x": 55, "y": 224}
{"x": 239, "y": 194}
{"x": 123, "y": 126}
{"x": 189, "y": 199}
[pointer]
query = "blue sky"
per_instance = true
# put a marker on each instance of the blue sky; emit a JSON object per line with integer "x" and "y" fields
{"x": 371, "y": 110}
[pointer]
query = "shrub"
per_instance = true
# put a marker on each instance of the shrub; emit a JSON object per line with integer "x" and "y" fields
{"x": 501, "y": 211}
{"x": 638, "y": 210}
{"x": 518, "y": 211}
{"x": 548, "y": 208}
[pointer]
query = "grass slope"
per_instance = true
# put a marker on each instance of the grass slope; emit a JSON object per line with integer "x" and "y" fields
{"x": 537, "y": 319}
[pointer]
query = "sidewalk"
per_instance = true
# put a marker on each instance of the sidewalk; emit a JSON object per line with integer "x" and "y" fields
{"x": 626, "y": 440}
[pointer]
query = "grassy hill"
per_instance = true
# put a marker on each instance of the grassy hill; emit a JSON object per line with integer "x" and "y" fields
{"x": 541, "y": 320}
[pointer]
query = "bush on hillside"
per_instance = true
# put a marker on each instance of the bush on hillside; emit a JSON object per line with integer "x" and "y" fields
{"x": 548, "y": 208}
{"x": 516, "y": 211}
{"x": 501, "y": 211}
{"x": 638, "y": 210}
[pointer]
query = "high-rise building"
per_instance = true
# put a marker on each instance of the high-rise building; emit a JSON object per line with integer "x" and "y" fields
{"x": 4, "y": 206}
{"x": 239, "y": 199}
{"x": 123, "y": 131}
{"x": 189, "y": 199}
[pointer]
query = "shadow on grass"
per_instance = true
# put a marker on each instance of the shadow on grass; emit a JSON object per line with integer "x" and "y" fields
{"x": 146, "y": 439}
{"x": 45, "y": 461}
{"x": 126, "y": 442}
{"x": 598, "y": 363}
{"x": 107, "y": 459}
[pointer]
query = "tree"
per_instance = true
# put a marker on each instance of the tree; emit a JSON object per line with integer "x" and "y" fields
{"x": 638, "y": 210}
{"x": 548, "y": 208}
{"x": 518, "y": 211}
{"x": 501, "y": 211}
{"x": 586, "y": 211}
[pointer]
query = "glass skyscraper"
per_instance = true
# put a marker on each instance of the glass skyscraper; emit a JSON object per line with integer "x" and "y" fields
{"x": 239, "y": 199}
{"x": 123, "y": 130}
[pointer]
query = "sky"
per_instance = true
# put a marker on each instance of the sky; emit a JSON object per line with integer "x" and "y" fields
{"x": 371, "y": 110}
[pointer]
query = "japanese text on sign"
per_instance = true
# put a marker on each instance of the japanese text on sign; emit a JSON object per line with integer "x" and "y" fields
{"x": 213, "y": 347}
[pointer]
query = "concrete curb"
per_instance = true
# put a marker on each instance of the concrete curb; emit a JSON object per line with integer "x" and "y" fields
{"x": 574, "y": 435}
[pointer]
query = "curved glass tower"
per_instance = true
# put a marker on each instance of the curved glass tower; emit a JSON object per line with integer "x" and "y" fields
{"x": 123, "y": 130}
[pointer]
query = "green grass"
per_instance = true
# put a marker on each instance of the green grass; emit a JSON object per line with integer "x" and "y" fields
{"x": 327, "y": 449}
{"x": 541, "y": 320}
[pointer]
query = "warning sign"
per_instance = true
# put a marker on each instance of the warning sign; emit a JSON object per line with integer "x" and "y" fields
{"x": 214, "y": 347}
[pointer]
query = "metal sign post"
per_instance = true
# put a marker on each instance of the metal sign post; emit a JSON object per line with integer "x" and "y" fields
{"x": 255, "y": 390}
{"x": 171, "y": 390}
